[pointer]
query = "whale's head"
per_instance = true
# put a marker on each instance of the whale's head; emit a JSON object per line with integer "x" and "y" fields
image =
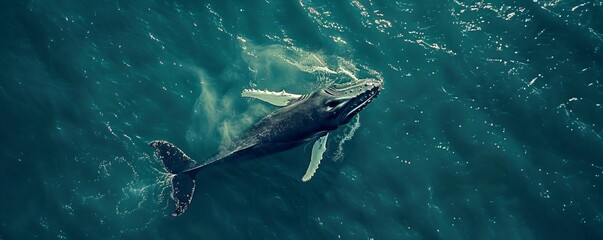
{"x": 340, "y": 102}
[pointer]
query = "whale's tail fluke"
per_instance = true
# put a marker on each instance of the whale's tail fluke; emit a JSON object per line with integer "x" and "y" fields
{"x": 177, "y": 162}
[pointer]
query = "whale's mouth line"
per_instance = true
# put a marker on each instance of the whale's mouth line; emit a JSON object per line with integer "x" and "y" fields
{"x": 355, "y": 96}
{"x": 362, "y": 101}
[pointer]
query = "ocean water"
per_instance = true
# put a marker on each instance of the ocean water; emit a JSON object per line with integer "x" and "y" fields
{"x": 490, "y": 125}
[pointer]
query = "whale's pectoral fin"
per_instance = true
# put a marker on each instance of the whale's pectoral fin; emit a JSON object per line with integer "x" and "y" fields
{"x": 320, "y": 146}
{"x": 280, "y": 99}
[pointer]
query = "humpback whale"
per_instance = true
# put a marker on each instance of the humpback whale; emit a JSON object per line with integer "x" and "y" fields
{"x": 300, "y": 119}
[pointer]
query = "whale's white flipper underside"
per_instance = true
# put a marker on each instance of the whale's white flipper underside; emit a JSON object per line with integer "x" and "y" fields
{"x": 279, "y": 99}
{"x": 320, "y": 146}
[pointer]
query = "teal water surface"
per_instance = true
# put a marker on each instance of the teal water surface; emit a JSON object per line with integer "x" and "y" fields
{"x": 490, "y": 125}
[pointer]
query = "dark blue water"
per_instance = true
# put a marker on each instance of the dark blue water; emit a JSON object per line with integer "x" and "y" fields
{"x": 490, "y": 125}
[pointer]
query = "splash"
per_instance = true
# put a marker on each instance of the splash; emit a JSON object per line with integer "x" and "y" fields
{"x": 278, "y": 66}
{"x": 215, "y": 112}
{"x": 128, "y": 184}
{"x": 349, "y": 132}
{"x": 138, "y": 192}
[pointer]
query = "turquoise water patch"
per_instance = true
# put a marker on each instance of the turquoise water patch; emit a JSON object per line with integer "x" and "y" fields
{"x": 488, "y": 127}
